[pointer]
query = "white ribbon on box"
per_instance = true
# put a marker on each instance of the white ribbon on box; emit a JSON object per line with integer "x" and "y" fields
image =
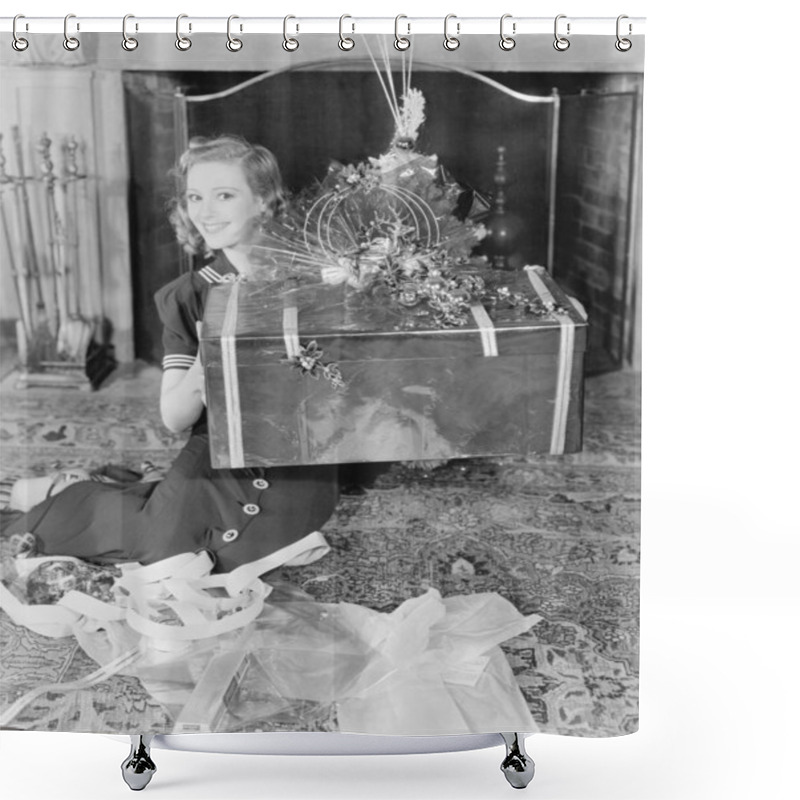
{"x": 486, "y": 329}
{"x": 566, "y": 352}
{"x": 291, "y": 332}
{"x": 230, "y": 377}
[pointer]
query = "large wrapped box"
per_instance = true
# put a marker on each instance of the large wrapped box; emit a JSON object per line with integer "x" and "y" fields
{"x": 322, "y": 375}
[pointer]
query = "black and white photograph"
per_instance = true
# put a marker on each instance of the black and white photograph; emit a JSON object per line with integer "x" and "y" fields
{"x": 321, "y": 367}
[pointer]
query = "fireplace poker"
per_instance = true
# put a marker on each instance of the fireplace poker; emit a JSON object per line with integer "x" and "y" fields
{"x": 74, "y": 332}
{"x": 41, "y": 333}
{"x": 70, "y": 254}
{"x": 20, "y": 287}
{"x": 89, "y": 280}
{"x": 84, "y": 330}
{"x": 54, "y": 236}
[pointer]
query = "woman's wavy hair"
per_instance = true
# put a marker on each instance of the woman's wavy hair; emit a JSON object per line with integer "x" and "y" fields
{"x": 260, "y": 168}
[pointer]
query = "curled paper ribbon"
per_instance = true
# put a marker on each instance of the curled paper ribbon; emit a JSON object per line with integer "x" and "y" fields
{"x": 132, "y": 629}
{"x": 183, "y": 583}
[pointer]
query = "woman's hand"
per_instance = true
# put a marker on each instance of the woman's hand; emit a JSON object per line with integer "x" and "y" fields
{"x": 183, "y": 396}
{"x": 197, "y": 379}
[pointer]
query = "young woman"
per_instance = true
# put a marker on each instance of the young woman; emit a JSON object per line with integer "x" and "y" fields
{"x": 226, "y": 191}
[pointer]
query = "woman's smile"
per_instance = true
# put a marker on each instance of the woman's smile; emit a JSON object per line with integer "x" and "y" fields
{"x": 212, "y": 227}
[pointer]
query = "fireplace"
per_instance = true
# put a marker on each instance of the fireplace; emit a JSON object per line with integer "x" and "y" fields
{"x": 572, "y": 155}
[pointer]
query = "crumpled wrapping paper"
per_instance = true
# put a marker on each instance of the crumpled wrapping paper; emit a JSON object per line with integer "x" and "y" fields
{"x": 438, "y": 669}
{"x": 431, "y": 667}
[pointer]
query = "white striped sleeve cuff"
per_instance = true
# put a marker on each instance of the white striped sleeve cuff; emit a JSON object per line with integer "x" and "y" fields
{"x": 177, "y": 362}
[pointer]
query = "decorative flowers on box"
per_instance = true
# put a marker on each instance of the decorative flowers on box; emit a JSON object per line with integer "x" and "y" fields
{"x": 309, "y": 362}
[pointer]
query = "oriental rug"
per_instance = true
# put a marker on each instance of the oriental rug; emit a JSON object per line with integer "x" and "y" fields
{"x": 556, "y": 536}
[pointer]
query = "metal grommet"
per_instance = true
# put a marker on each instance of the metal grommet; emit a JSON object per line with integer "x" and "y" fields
{"x": 623, "y": 45}
{"x": 182, "y": 42}
{"x": 401, "y": 42}
{"x": 70, "y": 42}
{"x": 18, "y": 43}
{"x": 251, "y": 509}
{"x": 290, "y": 44}
{"x": 128, "y": 42}
{"x": 261, "y": 483}
{"x": 233, "y": 44}
{"x": 345, "y": 42}
{"x": 561, "y": 43}
{"x": 451, "y": 42}
{"x": 230, "y": 535}
{"x": 507, "y": 42}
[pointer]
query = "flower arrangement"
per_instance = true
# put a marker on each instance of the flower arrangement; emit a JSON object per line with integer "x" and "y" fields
{"x": 388, "y": 229}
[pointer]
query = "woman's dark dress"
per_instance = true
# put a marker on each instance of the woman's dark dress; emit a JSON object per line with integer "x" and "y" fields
{"x": 237, "y": 515}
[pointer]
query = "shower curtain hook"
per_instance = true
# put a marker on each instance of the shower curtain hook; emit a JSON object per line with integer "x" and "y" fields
{"x": 507, "y": 42}
{"x": 182, "y": 42}
{"x": 70, "y": 42}
{"x": 401, "y": 42}
{"x": 233, "y": 44}
{"x": 18, "y": 42}
{"x": 290, "y": 44}
{"x": 128, "y": 42}
{"x": 451, "y": 42}
{"x": 345, "y": 42}
{"x": 623, "y": 45}
{"x": 561, "y": 43}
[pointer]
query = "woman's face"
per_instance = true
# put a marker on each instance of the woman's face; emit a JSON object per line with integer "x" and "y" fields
{"x": 221, "y": 204}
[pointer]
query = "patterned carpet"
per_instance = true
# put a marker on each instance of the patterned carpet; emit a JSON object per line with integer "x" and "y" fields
{"x": 557, "y": 536}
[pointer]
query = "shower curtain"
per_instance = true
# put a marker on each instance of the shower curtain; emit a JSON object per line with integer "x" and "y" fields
{"x": 469, "y": 381}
